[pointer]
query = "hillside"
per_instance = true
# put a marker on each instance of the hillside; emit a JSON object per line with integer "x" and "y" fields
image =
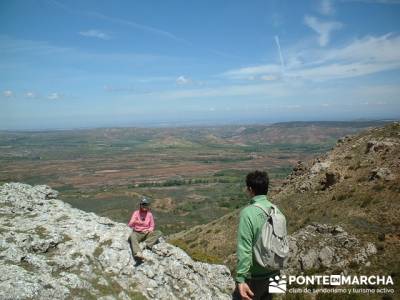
{"x": 356, "y": 186}
{"x": 310, "y": 133}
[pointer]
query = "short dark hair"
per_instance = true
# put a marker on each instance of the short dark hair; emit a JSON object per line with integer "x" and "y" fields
{"x": 258, "y": 181}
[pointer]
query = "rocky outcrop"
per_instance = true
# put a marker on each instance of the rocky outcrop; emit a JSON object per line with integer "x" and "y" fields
{"x": 381, "y": 146}
{"x": 375, "y": 151}
{"x": 319, "y": 167}
{"x": 329, "y": 180}
{"x": 50, "y": 250}
{"x": 326, "y": 247}
{"x": 317, "y": 176}
{"x": 382, "y": 173}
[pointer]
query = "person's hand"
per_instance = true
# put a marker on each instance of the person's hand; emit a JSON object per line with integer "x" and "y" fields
{"x": 138, "y": 220}
{"x": 245, "y": 291}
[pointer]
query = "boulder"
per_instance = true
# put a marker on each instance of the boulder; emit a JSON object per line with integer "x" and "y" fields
{"x": 382, "y": 173}
{"x": 320, "y": 167}
{"x": 326, "y": 247}
{"x": 374, "y": 146}
{"x": 326, "y": 256}
{"x": 299, "y": 169}
{"x": 329, "y": 180}
{"x": 309, "y": 260}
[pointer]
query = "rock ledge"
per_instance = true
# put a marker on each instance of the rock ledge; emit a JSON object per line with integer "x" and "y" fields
{"x": 50, "y": 250}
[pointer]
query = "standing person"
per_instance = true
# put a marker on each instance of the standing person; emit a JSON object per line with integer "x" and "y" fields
{"x": 142, "y": 223}
{"x": 252, "y": 279}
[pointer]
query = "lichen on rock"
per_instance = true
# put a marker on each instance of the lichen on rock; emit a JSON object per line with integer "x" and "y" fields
{"x": 50, "y": 250}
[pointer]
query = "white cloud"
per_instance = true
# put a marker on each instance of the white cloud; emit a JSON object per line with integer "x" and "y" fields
{"x": 273, "y": 89}
{"x": 30, "y": 95}
{"x": 8, "y": 93}
{"x": 183, "y": 80}
{"x": 385, "y": 48}
{"x": 383, "y": 91}
{"x": 325, "y": 7}
{"x": 248, "y": 72}
{"x": 135, "y": 25}
{"x": 95, "y": 34}
{"x": 33, "y": 49}
{"x": 278, "y": 45}
{"x": 269, "y": 77}
{"x": 292, "y": 106}
{"x": 155, "y": 79}
{"x": 54, "y": 96}
{"x": 376, "y": 1}
{"x": 324, "y": 29}
{"x": 360, "y": 57}
{"x": 110, "y": 88}
{"x": 341, "y": 70}
{"x": 138, "y": 26}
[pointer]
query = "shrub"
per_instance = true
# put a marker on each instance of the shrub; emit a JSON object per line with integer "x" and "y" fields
{"x": 380, "y": 246}
{"x": 341, "y": 197}
{"x": 381, "y": 237}
{"x": 378, "y": 187}
{"x": 367, "y": 200}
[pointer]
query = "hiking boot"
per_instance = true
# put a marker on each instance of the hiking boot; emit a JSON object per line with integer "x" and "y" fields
{"x": 138, "y": 256}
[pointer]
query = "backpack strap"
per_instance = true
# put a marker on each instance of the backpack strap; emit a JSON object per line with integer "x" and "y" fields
{"x": 277, "y": 220}
{"x": 267, "y": 212}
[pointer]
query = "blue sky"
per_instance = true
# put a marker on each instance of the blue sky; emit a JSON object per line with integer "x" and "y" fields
{"x": 71, "y": 64}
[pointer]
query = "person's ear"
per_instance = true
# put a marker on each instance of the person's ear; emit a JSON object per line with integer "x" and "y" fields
{"x": 250, "y": 191}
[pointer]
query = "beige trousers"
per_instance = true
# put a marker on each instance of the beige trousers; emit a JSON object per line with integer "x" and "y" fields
{"x": 137, "y": 237}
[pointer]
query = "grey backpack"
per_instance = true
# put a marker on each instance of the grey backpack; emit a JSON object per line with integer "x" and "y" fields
{"x": 271, "y": 248}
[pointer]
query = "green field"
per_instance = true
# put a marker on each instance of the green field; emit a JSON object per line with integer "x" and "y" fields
{"x": 192, "y": 175}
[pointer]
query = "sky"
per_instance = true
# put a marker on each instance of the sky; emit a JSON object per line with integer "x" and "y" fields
{"x": 79, "y": 64}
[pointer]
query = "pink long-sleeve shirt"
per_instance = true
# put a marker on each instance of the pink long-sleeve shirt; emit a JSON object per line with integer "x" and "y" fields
{"x": 142, "y": 221}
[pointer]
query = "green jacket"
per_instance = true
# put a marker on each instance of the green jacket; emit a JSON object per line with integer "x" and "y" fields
{"x": 250, "y": 222}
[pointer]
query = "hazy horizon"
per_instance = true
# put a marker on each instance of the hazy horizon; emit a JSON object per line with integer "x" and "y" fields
{"x": 196, "y": 124}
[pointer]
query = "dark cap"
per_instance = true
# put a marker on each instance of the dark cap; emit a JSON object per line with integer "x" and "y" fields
{"x": 144, "y": 201}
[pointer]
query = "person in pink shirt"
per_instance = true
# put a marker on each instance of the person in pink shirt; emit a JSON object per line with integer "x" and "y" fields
{"x": 142, "y": 223}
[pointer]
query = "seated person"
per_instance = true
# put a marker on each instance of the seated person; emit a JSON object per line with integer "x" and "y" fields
{"x": 142, "y": 223}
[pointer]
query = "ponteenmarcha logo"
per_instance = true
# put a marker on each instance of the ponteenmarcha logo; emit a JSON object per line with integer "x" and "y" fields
{"x": 341, "y": 280}
{"x": 277, "y": 284}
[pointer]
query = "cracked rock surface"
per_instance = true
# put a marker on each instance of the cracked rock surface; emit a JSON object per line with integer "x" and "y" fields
{"x": 49, "y": 250}
{"x": 327, "y": 247}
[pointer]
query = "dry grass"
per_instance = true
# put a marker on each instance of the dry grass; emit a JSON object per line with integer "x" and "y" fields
{"x": 367, "y": 208}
